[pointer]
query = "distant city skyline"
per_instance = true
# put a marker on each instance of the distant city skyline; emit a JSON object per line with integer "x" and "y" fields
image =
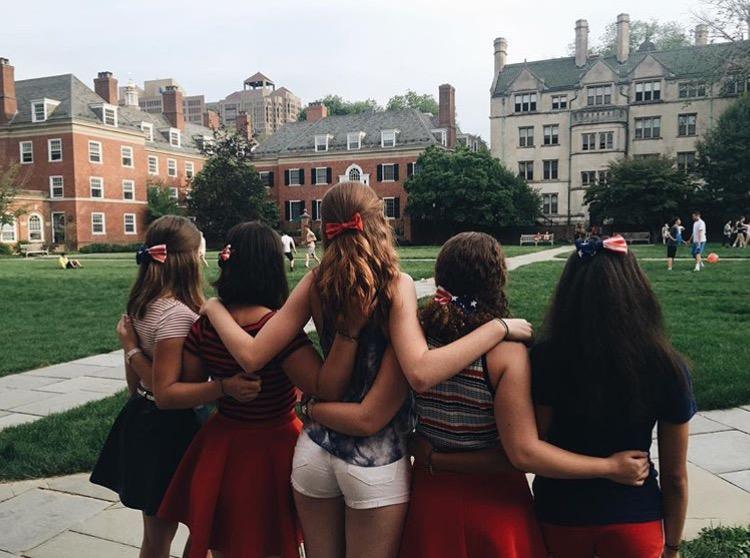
{"x": 359, "y": 50}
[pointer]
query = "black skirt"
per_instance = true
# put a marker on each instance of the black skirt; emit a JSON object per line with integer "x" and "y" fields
{"x": 142, "y": 452}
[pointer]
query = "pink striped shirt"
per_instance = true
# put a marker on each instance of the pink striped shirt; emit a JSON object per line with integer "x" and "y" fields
{"x": 166, "y": 318}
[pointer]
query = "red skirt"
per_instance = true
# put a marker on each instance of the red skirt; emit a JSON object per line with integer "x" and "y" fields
{"x": 232, "y": 489}
{"x": 454, "y": 515}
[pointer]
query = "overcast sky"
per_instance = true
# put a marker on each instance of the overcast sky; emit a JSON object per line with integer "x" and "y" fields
{"x": 354, "y": 48}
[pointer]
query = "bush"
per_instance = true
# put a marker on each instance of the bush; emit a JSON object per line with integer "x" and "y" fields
{"x": 719, "y": 542}
{"x": 100, "y": 248}
{"x": 6, "y": 250}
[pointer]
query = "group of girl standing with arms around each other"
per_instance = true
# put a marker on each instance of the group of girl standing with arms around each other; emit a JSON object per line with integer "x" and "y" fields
{"x": 455, "y": 372}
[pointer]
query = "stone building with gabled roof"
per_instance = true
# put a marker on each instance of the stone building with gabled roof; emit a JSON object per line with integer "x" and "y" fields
{"x": 560, "y": 122}
{"x": 85, "y": 162}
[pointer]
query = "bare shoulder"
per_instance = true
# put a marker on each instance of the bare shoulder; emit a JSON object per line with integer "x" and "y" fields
{"x": 507, "y": 355}
{"x": 403, "y": 287}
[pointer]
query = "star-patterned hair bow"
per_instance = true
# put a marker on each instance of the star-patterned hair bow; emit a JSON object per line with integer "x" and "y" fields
{"x": 156, "y": 253}
{"x": 587, "y": 249}
{"x": 464, "y": 302}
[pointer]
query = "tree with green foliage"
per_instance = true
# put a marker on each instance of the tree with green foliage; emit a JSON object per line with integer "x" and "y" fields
{"x": 723, "y": 162}
{"x": 337, "y": 105}
{"x": 161, "y": 202}
{"x": 228, "y": 190}
{"x": 668, "y": 34}
{"x": 412, "y": 99}
{"x": 646, "y": 191}
{"x": 10, "y": 183}
{"x": 461, "y": 190}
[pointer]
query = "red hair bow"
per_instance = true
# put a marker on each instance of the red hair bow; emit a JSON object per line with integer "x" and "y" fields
{"x": 225, "y": 253}
{"x": 158, "y": 253}
{"x": 354, "y": 224}
{"x": 616, "y": 244}
{"x": 442, "y": 296}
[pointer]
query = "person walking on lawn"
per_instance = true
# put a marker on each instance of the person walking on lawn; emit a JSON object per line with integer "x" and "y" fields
{"x": 698, "y": 238}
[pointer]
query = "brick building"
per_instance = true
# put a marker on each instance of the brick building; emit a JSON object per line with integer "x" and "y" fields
{"x": 302, "y": 160}
{"x": 86, "y": 162}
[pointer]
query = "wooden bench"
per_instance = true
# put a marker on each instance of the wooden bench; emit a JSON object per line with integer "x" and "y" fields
{"x": 537, "y": 239}
{"x": 33, "y": 248}
{"x": 635, "y": 237}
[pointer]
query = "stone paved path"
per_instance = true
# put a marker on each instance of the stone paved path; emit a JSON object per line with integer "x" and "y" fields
{"x": 68, "y": 517}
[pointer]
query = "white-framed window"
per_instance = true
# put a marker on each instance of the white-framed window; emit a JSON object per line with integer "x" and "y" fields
{"x": 174, "y": 193}
{"x": 388, "y": 138}
{"x": 690, "y": 90}
{"x": 96, "y": 186}
{"x": 56, "y": 187}
{"x": 174, "y": 137}
{"x": 153, "y": 164}
{"x": 648, "y": 128}
{"x": 551, "y": 134}
{"x": 98, "y": 223}
{"x": 126, "y": 154}
{"x": 95, "y": 152}
{"x": 602, "y": 176}
{"x": 549, "y": 204}
{"x": 129, "y": 225}
{"x": 559, "y": 102}
{"x": 525, "y": 102}
{"x": 550, "y": 169}
{"x": 295, "y": 177}
{"x": 588, "y": 178}
{"x": 109, "y": 115}
{"x": 321, "y": 142}
{"x": 353, "y": 141}
{"x": 148, "y": 130}
{"x": 320, "y": 175}
{"x": 316, "y": 205}
{"x": 392, "y": 208}
{"x": 171, "y": 167}
{"x": 606, "y": 140}
{"x": 9, "y": 232}
{"x": 54, "y": 150}
{"x": 38, "y": 111}
{"x": 599, "y": 95}
{"x": 389, "y": 172}
{"x": 526, "y": 170}
{"x": 441, "y": 135}
{"x": 35, "y": 228}
{"x": 355, "y": 175}
{"x": 686, "y": 124}
{"x": 526, "y": 136}
{"x": 128, "y": 189}
{"x": 26, "y": 152}
{"x": 293, "y": 209}
{"x": 189, "y": 169}
{"x": 647, "y": 91}
{"x": 588, "y": 141}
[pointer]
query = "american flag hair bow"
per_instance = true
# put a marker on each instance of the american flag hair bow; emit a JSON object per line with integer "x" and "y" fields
{"x": 442, "y": 296}
{"x": 225, "y": 253}
{"x": 464, "y": 302}
{"x": 353, "y": 224}
{"x": 156, "y": 253}
{"x": 587, "y": 249}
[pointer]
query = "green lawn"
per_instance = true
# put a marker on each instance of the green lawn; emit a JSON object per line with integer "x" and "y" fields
{"x": 660, "y": 251}
{"x": 430, "y": 252}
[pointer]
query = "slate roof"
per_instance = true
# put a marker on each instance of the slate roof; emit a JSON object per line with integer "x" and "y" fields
{"x": 258, "y": 77}
{"x": 299, "y": 137}
{"x": 684, "y": 62}
{"x": 77, "y": 101}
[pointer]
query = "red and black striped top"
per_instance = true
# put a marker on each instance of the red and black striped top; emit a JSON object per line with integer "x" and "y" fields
{"x": 277, "y": 396}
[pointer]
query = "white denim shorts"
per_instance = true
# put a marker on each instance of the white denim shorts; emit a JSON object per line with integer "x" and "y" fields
{"x": 318, "y": 474}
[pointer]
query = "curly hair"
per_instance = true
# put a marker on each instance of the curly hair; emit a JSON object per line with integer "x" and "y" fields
{"x": 471, "y": 265}
{"x": 358, "y": 268}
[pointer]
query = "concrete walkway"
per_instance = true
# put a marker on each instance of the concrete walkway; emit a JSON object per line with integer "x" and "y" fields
{"x": 67, "y": 517}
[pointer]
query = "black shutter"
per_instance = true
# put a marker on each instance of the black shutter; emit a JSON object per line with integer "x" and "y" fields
{"x": 395, "y": 172}
{"x": 288, "y": 210}
{"x": 329, "y": 175}
{"x": 409, "y": 169}
{"x": 302, "y": 177}
{"x": 286, "y": 179}
{"x": 380, "y": 173}
{"x": 270, "y": 178}
{"x": 397, "y": 208}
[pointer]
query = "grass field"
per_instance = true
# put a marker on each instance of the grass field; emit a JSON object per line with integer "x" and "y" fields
{"x": 660, "y": 251}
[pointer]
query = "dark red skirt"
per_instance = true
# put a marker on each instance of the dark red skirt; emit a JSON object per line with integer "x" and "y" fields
{"x": 453, "y": 515}
{"x": 232, "y": 489}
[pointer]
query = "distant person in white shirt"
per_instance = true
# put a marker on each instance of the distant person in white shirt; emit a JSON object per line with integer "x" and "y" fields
{"x": 202, "y": 250}
{"x": 698, "y": 239}
{"x": 289, "y": 249}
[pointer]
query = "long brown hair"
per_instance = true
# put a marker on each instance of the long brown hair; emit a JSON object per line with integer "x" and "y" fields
{"x": 357, "y": 267}
{"x": 471, "y": 266}
{"x": 605, "y": 333}
{"x": 179, "y": 276}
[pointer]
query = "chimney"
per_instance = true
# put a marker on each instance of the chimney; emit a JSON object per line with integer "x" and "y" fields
{"x": 211, "y": 119}
{"x": 172, "y": 108}
{"x": 701, "y": 34}
{"x": 623, "y": 38}
{"x": 316, "y": 111}
{"x": 501, "y": 54}
{"x": 106, "y": 87}
{"x": 8, "y": 102}
{"x": 582, "y": 42}
{"x": 447, "y": 112}
{"x": 131, "y": 95}
{"x": 244, "y": 126}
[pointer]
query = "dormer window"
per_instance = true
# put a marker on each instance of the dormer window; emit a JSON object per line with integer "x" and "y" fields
{"x": 174, "y": 137}
{"x": 109, "y": 115}
{"x": 354, "y": 140}
{"x": 525, "y": 102}
{"x": 647, "y": 91}
{"x": 441, "y": 135}
{"x": 148, "y": 130}
{"x": 388, "y": 138}
{"x": 321, "y": 142}
{"x": 40, "y": 109}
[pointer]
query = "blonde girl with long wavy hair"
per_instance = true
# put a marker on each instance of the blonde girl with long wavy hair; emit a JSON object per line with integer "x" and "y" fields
{"x": 351, "y": 470}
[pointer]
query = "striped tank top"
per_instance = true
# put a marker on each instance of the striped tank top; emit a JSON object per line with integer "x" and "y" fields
{"x": 458, "y": 414}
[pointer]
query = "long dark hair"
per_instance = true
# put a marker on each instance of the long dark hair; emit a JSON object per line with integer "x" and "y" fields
{"x": 253, "y": 273}
{"x": 471, "y": 266}
{"x": 605, "y": 335}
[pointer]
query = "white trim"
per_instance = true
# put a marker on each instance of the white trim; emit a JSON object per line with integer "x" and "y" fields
{"x": 321, "y": 141}
{"x": 156, "y": 166}
{"x": 91, "y": 187}
{"x": 189, "y": 173}
{"x": 317, "y": 205}
{"x": 123, "y": 149}
{"x": 52, "y": 224}
{"x": 387, "y": 134}
{"x": 174, "y": 192}
{"x": 148, "y": 130}
{"x": 349, "y": 136}
{"x": 20, "y": 152}
{"x": 289, "y": 204}
{"x": 325, "y": 176}
{"x": 41, "y": 227}
{"x": 298, "y": 183}
{"x": 364, "y": 177}
{"x": 443, "y": 136}
{"x": 176, "y": 132}
{"x": 100, "y": 200}
{"x": 101, "y": 152}
{"x": 113, "y": 108}
{"x": 104, "y": 223}
{"x": 52, "y": 188}
{"x": 49, "y": 150}
{"x": 130, "y": 183}
{"x": 385, "y": 213}
{"x": 14, "y": 231}
{"x": 171, "y": 165}
{"x": 393, "y": 167}
{"x": 125, "y": 223}
{"x": 43, "y": 102}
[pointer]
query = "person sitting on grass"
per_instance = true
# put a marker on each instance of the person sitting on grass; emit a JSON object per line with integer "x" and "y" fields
{"x": 66, "y": 263}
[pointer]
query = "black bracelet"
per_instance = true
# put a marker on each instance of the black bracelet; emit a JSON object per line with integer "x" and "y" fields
{"x": 672, "y": 547}
{"x": 505, "y": 325}
{"x": 347, "y": 336}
